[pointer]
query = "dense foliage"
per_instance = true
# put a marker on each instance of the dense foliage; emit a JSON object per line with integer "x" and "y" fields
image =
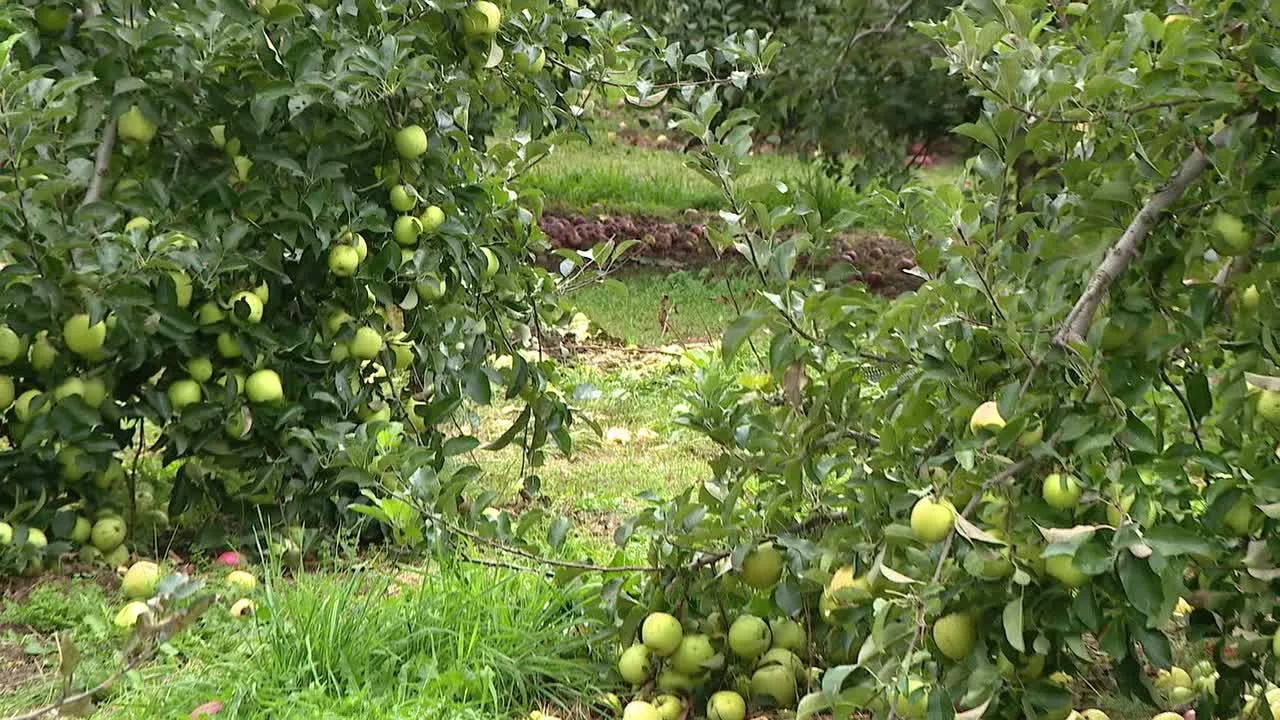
{"x": 1058, "y": 455}
{"x": 853, "y": 79}
{"x": 233, "y": 233}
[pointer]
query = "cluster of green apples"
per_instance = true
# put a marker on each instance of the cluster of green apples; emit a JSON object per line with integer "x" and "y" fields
{"x": 99, "y": 539}
{"x": 752, "y": 661}
{"x": 141, "y": 582}
{"x": 1179, "y": 688}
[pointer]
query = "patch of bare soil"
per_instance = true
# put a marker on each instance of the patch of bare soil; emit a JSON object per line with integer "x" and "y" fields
{"x": 878, "y": 261}
{"x": 17, "y": 668}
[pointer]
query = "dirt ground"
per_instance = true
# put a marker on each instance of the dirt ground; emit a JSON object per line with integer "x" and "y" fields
{"x": 878, "y": 261}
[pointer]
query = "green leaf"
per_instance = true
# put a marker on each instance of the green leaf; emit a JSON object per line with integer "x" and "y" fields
{"x": 738, "y": 332}
{"x": 459, "y": 445}
{"x": 1198, "y": 394}
{"x": 1139, "y": 437}
{"x": 1012, "y": 616}
{"x": 559, "y": 531}
{"x": 477, "y": 384}
{"x": 1142, "y": 586}
{"x": 1174, "y": 541}
{"x": 1154, "y": 643}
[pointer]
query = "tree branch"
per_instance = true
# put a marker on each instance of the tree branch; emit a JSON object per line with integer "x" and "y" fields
{"x": 882, "y": 29}
{"x": 101, "y": 163}
{"x": 1119, "y": 257}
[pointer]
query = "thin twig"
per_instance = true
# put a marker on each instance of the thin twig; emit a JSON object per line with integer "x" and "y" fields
{"x": 87, "y": 694}
{"x": 1118, "y": 258}
{"x": 882, "y": 29}
{"x": 1186, "y": 405}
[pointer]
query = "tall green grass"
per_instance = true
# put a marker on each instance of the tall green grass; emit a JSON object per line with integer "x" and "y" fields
{"x": 458, "y": 642}
{"x": 463, "y": 637}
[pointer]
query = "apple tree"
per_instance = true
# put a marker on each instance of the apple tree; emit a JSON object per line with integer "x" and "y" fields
{"x": 241, "y": 237}
{"x": 1054, "y": 465}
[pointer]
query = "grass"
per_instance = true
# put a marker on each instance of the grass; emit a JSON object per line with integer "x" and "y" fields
{"x": 701, "y": 304}
{"x": 453, "y": 641}
{"x": 611, "y": 177}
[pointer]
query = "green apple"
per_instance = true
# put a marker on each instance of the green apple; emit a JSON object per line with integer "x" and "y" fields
{"x": 530, "y": 66}
{"x": 243, "y": 582}
{"x": 183, "y": 393}
{"x": 53, "y": 19}
{"x": 1063, "y": 569}
{"x": 1240, "y": 518}
{"x": 432, "y": 218}
{"x": 82, "y": 338}
{"x": 200, "y": 368}
{"x": 1269, "y": 405}
{"x": 106, "y": 479}
{"x": 6, "y": 533}
{"x": 403, "y": 354}
{"x": 67, "y": 388}
{"x": 762, "y": 567}
{"x": 140, "y": 580}
{"x": 10, "y": 345}
{"x": 430, "y": 287}
{"x": 264, "y": 386}
{"x": 81, "y": 531}
{"x": 130, "y": 614}
{"x": 411, "y": 141}
{"x": 95, "y": 392}
{"x": 133, "y": 126}
{"x": 107, "y": 534}
{"x": 634, "y": 665}
{"x": 70, "y": 458}
{"x": 669, "y": 707}
{"x": 789, "y": 635}
{"x": 263, "y": 291}
{"x": 115, "y": 558}
{"x": 726, "y": 705}
{"x": 406, "y": 230}
{"x": 209, "y": 314}
{"x": 931, "y": 521}
{"x": 366, "y": 344}
{"x": 1230, "y": 236}
{"x": 914, "y": 703}
{"x": 228, "y": 346}
{"x": 1061, "y": 492}
{"x": 343, "y": 260}
{"x": 22, "y": 409}
{"x": 692, "y": 654}
{"x": 252, "y": 304}
{"x": 1250, "y": 298}
{"x": 491, "y": 264}
{"x": 356, "y": 240}
{"x": 6, "y": 392}
{"x": 986, "y": 417}
{"x": 955, "y": 635}
{"x": 775, "y": 682}
{"x": 42, "y": 353}
{"x": 243, "y": 165}
{"x": 219, "y": 135}
{"x": 138, "y": 223}
{"x": 640, "y": 710}
{"x": 661, "y": 633}
{"x": 481, "y": 20}
{"x": 670, "y": 681}
{"x": 402, "y": 199}
{"x": 749, "y": 637}
{"x": 242, "y": 608}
